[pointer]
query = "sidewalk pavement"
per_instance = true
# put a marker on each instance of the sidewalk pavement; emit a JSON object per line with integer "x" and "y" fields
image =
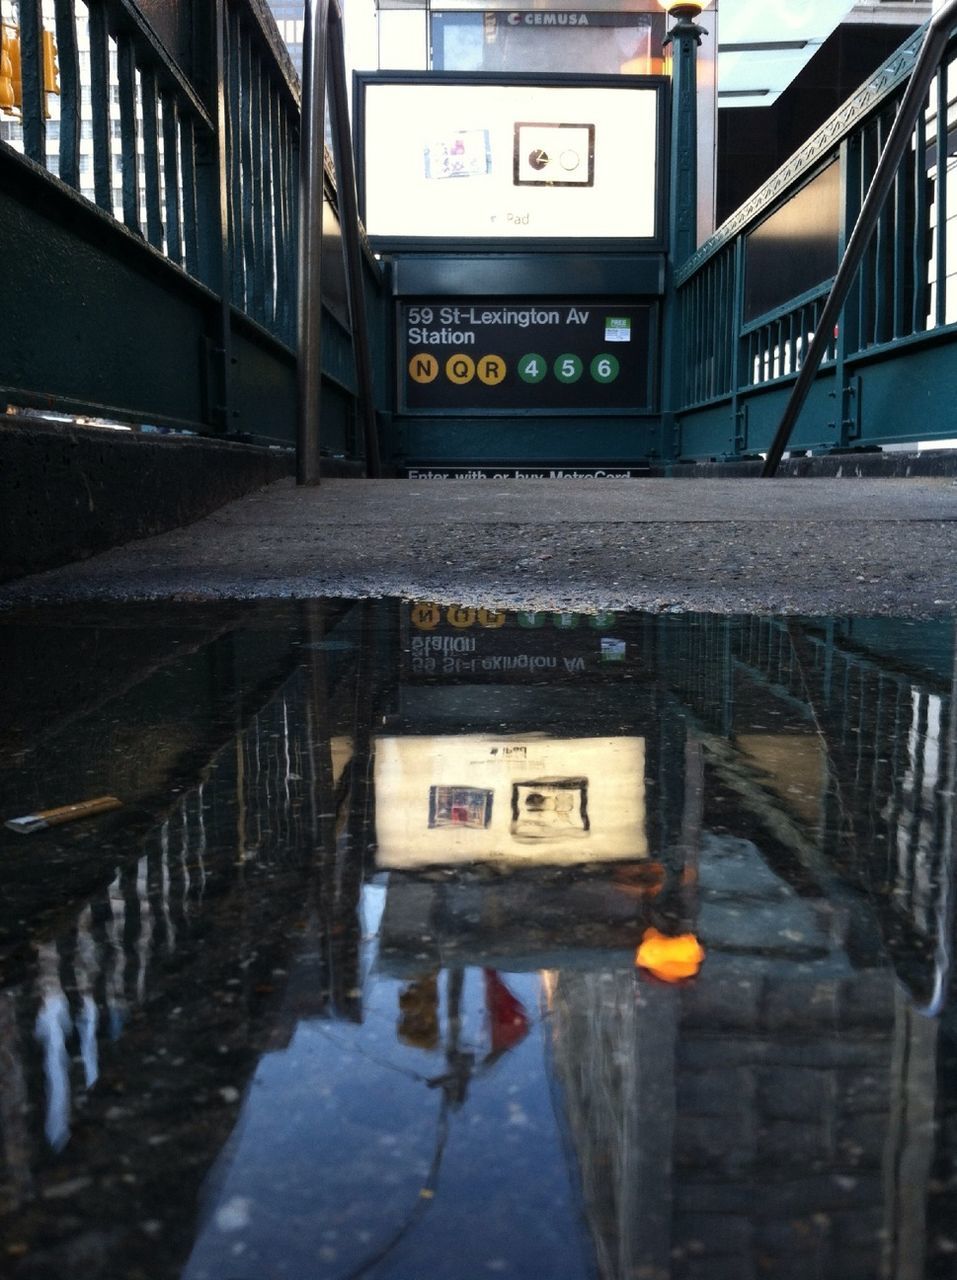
{"x": 813, "y": 546}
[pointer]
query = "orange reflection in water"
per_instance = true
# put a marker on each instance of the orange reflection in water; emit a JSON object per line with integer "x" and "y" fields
{"x": 670, "y": 959}
{"x": 639, "y": 879}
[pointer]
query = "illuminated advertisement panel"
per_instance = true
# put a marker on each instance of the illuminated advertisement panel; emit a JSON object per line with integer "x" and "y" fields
{"x": 497, "y": 158}
{"x": 447, "y": 800}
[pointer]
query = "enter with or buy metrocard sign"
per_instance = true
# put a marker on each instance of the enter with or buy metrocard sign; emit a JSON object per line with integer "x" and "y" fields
{"x": 456, "y": 355}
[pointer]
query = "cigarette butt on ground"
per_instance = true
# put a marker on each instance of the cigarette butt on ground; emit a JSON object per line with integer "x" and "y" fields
{"x": 65, "y": 813}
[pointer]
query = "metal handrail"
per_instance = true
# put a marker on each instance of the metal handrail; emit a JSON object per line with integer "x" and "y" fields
{"x": 323, "y": 53}
{"x": 349, "y": 222}
{"x": 925, "y": 69}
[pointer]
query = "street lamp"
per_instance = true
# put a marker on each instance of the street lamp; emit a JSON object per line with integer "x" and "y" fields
{"x": 684, "y": 13}
{"x": 685, "y": 36}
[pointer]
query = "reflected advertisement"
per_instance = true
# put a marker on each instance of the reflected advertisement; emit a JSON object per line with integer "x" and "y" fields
{"x": 451, "y": 800}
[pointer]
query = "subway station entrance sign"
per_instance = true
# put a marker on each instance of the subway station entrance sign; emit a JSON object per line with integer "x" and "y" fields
{"x": 506, "y": 356}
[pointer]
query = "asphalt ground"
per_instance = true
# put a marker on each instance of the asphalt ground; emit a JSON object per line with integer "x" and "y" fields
{"x": 807, "y": 546}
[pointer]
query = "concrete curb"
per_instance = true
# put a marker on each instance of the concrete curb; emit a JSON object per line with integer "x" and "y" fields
{"x": 67, "y": 492}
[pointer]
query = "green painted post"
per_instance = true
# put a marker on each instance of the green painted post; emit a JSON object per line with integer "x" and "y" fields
{"x": 684, "y": 37}
{"x": 311, "y": 178}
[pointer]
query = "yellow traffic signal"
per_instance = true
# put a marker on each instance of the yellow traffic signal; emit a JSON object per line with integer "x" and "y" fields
{"x": 51, "y": 72}
{"x": 11, "y": 93}
{"x": 11, "y": 80}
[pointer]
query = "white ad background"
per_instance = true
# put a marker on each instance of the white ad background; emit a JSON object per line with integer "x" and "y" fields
{"x": 403, "y": 120}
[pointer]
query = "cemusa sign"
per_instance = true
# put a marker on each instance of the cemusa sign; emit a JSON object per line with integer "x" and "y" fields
{"x": 548, "y": 20}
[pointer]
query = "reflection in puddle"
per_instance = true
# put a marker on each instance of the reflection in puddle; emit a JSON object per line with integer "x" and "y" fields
{"x": 451, "y": 943}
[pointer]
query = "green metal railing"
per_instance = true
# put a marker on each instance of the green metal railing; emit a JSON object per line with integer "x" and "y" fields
{"x": 149, "y": 213}
{"x": 751, "y": 300}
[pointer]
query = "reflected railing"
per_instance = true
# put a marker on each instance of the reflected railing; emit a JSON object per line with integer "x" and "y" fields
{"x": 881, "y": 732}
{"x": 258, "y": 810}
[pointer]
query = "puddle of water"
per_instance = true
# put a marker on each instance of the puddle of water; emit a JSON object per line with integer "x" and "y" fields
{"x": 448, "y": 943}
